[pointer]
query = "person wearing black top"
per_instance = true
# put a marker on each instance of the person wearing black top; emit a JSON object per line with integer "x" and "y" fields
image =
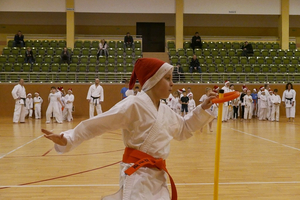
{"x": 65, "y": 56}
{"x": 19, "y": 39}
{"x": 196, "y": 41}
{"x": 242, "y": 102}
{"x": 128, "y": 41}
{"x": 184, "y": 100}
{"x": 195, "y": 65}
{"x": 247, "y": 49}
{"x": 28, "y": 56}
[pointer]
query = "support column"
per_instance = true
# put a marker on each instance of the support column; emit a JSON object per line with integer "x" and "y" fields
{"x": 284, "y": 24}
{"x": 70, "y": 25}
{"x": 179, "y": 24}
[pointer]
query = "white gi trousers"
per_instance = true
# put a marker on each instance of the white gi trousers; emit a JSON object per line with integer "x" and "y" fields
{"x": 290, "y": 111}
{"x": 225, "y": 113}
{"x": 262, "y": 113}
{"x": 93, "y": 106}
{"x": 53, "y": 107}
{"x": 247, "y": 112}
{"x": 275, "y": 111}
{"x": 37, "y": 110}
{"x": 19, "y": 112}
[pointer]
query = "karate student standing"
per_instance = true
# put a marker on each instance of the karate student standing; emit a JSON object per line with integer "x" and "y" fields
{"x": 69, "y": 99}
{"x": 95, "y": 97}
{"x": 289, "y": 99}
{"x": 53, "y": 99}
{"x": 29, "y": 104}
{"x": 243, "y": 94}
{"x": 175, "y": 105}
{"x": 276, "y": 100}
{"x": 213, "y": 108}
{"x": 263, "y": 106}
{"x": 225, "y": 104}
{"x": 37, "y": 104}
{"x": 148, "y": 127}
{"x": 269, "y": 115}
{"x": 192, "y": 104}
{"x": 248, "y": 102}
{"x": 19, "y": 95}
{"x": 184, "y": 101}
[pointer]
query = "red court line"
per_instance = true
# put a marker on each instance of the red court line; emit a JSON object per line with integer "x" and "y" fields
{"x": 68, "y": 175}
{"x": 47, "y": 152}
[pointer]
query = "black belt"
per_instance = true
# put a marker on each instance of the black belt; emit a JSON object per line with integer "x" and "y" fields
{"x": 24, "y": 99}
{"x": 289, "y": 99}
{"x": 95, "y": 100}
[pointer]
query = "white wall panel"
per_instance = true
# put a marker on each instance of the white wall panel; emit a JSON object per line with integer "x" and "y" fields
{"x": 294, "y": 7}
{"x": 121, "y": 6}
{"x": 33, "y": 6}
{"x": 252, "y": 7}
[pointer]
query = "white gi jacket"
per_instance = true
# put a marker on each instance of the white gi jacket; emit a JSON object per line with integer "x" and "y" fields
{"x": 69, "y": 97}
{"x": 248, "y": 101}
{"x": 226, "y": 90}
{"x": 19, "y": 91}
{"x": 97, "y": 93}
{"x": 143, "y": 128}
{"x": 275, "y": 99}
{"x": 288, "y": 97}
{"x": 29, "y": 103}
{"x": 263, "y": 101}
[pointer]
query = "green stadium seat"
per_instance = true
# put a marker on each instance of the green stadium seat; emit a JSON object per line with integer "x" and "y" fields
{"x": 128, "y": 51}
{"x": 111, "y": 44}
{"x": 272, "y": 52}
{"x": 268, "y": 60}
{"x": 256, "y": 52}
{"x": 95, "y": 44}
{"x": 11, "y": 58}
{"x": 211, "y": 68}
{"x": 215, "y": 78}
{"x": 198, "y": 52}
{"x": 214, "y": 52}
{"x": 185, "y": 68}
{"x": 181, "y": 52}
{"x": 111, "y": 51}
{"x": 290, "y": 68}
{"x": 111, "y": 60}
{"x": 84, "y": 59}
{"x": 268, "y": 45}
{"x": 94, "y": 51}
{"x": 218, "y": 60}
{"x": 120, "y": 68}
{"x": 264, "y": 52}
{"x": 231, "y": 52}
{"x": 247, "y": 68}
{"x": 239, "y": 52}
{"x": 120, "y": 51}
{"x": 251, "y": 78}
{"x": 45, "y": 43}
{"x": 65, "y": 68}
{"x": 222, "y": 52}
{"x": 226, "y": 60}
{"x": 26, "y": 67}
{"x": 235, "y": 60}
{"x": 273, "y": 68}
{"x": 53, "y": 44}
{"x": 260, "y": 45}
{"x": 48, "y": 59}
{"x": 271, "y": 78}
{"x": 289, "y": 53}
{"x": 129, "y": 67}
{"x": 50, "y": 51}
{"x": 22, "y": 50}
{"x": 128, "y": 59}
{"x": 75, "y": 59}
{"x": 238, "y": 68}
{"x": 297, "y": 53}
{"x": 72, "y": 67}
{"x": 243, "y": 60}
{"x": 56, "y": 59}
{"x": 120, "y": 60}
{"x": 276, "y": 45}
{"x": 78, "y": 44}
{"x": 277, "y": 60}
{"x": 251, "y": 60}
{"x": 110, "y": 68}
{"x": 13, "y": 77}
{"x": 219, "y": 45}
{"x": 62, "y": 44}
{"x": 17, "y": 67}
{"x": 86, "y": 44}
{"x": 92, "y": 68}
{"x": 293, "y": 60}
{"x": 76, "y": 51}
{"x": 20, "y": 58}
{"x": 236, "y": 45}
{"x": 220, "y": 68}
{"x": 171, "y": 44}
{"x": 41, "y": 51}
{"x": 229, "y": 68}
{"x": 45, "y": 67}
{"x": 186, "y": 45}
{"x": 54, "y": 67}
{"x": 211, "y": 45}
{"x": 260, "y": 60}
{"x": 138, "y": 52}
{"x": 292, "y": 45}
{"x": 3, "y": 58}
{"x": 282, "y": 68}
{"x": 256, "y": 68}
{"x": 85, "y": 51}
{"x": 10, "y": 43}
{"x": 93, "y": 59}
{"x": 209, "y": 60}
{"x": 102, "y": 59}
{"x": 36, "y": 43}
{"x": 58, "y": 51}
{"x": 6, "y": 51}
{"x": 183, "y": 59}
{"x": 227, "y": 45}
{"x": 206, "y": 52}
{"x": 15, "y": 51}
{"x": 265, "y": 68}
{"x": 8, "y": 67}
{"x": 174, "y": 60}
{"x": 36, "y": 67}
{"x": 137, "y": 44}
{"x": 280, "y": 53}
{"x": 82, "y": 68}
{"x": 120, "y": 44}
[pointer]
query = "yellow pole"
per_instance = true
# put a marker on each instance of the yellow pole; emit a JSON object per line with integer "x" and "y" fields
{"x": 218, "y": 147}
{"x": 70, "y": 37}
{"x": 284, "y": 24}
{"x": 179, "y": 24}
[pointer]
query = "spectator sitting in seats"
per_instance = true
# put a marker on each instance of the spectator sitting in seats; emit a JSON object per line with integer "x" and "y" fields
{"x": 65, "y": 56}
{"x": 178, "y": 74}
{"x": 29, "y": 56}
{"x": 102, "y": 48}
{"x": 195, "y": 65}
{"x": 19, "y": 39}
{"x": 128, "y": 41}
{"x": 196, "y": 41}
{"x": 247, "y": 49}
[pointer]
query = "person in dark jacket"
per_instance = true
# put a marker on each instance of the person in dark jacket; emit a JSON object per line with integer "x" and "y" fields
{"x": 65, "y": 56}
{"x": 247, "y": 49}
{"x": 128, "y": 41}
{"x": 178, "y": 75}
{"x": 29, "y": 56}
{"x": 19, "y": 39}
{"x": 195, "y": 65}
{"x": 196, "y": 41}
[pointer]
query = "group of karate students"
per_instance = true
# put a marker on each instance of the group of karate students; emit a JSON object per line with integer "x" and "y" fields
{"x": 60, "y": 104}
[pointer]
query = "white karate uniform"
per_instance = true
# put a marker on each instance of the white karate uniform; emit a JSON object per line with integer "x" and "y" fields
{"x": 213, "y": 108}
{"x": 247, "y": 110}
{"x": 270, "y": 105}
{"x": 225, "y": 105}
{"x": 176, "y": 106}
{"x": 53, "y": 107}
{"x": 263, "y": 107}
{"x": 69, "y": 106}
{"x": 169, "y": 100}
{"x": 20, "y": 109}
{"x": 191, "y": 105}
{"x": 288, "y": 97}
{"x": 98, "y": 94}
{"x": 60, "y": 106}
{"x": 258, "y": 103}
{"x": 275, "y": 108}
{"x": 29, "y": 106}
{"x": 37, "y": 102}
{"x": 146, "y": 129}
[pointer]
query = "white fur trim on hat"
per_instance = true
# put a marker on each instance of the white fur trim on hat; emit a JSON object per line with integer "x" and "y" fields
{"x": 161, "y": 72}
{"x": 227, "y": 82}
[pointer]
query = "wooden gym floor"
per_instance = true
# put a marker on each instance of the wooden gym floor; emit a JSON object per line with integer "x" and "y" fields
{"x": 259, "y": 160}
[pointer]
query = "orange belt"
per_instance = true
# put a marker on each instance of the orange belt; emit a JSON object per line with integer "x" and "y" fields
{"x": 141, "y": 159}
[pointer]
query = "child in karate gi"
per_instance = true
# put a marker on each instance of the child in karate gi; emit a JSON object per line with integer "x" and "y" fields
{"x": 54, "y": 100}
{"x": 69, "y": 99}
{"x": 29, "y": 105}
{"x": 248, "y": 101}
{"x": 192, "y": 104}
{"x": 213, "y": 108}
{"x": 147, "y": 132}
{"x": 37, "y": 102}
{"x": 176, "y": 106}
{"x": 269, "y": 97}
{"x": 276, "y": 100}
{"x": 263, "y": 106}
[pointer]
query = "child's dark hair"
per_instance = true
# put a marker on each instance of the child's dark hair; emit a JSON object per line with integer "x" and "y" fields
{"x": 53, "y": 87}
{"x": 275, "y": 90}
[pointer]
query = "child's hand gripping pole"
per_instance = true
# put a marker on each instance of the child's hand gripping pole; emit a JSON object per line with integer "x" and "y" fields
{"x": 222, "y": 98}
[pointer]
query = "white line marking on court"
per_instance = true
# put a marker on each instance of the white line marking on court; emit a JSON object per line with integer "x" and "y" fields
{"x": 265, "y": 139}
{"x": 2, "y": 156}
{"x": 177, "y": 184}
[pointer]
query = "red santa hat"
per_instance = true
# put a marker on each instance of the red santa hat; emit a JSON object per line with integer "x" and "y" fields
{"x": 216, "y": 87}
{"x": 262, "y": 88}
{"x": 226, "y": 82}
{"x": 37, "y": 93}
{"x": 60, "y": 88}
{"x": 254, "y": 89}
{"x": 70, "y": 89}
{"x": 183, "y": 90}
{"x": 270, "y": 90}
{"x": 148, "y": 71}
{"x": 244, "y": 87}
{"x": 29, "y": 94}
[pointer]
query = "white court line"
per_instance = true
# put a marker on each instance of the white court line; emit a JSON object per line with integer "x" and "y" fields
{"x": 266, "y": 139}
{"x": 2, "y": 156}
{"x": 177, "y": 184}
